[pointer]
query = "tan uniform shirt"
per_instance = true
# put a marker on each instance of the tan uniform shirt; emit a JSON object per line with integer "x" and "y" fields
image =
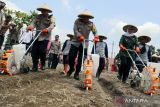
{"x": 83, "y": 29}
{"x": 55, "y": 47}
{"x": 41, "y": 22}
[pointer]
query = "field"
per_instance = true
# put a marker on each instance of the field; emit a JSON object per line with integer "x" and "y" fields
{"x": 51, "y": 88}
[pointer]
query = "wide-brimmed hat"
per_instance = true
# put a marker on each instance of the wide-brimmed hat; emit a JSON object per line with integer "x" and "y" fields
{"x": 85, "y": 14}
{"x": 145, "y": 38}
{"x": 70, "y": 35}
{"x": 102, "y": 37}
{"x": 56, "y": 36}
{"x": 44, "y": 7}
{"x": 2, "y": 4}
{"x": 134, "y": 28}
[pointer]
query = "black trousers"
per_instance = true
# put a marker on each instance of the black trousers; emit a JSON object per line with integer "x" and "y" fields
{"x": 1, "y": 40}
{"x": 101, "y": 67}
{"x": 140, "y": 66}
{"x": 53, "y": 61}
{"x": 65, "y": 59}
{"x": 72, "y": 56}
{"x": 39, "y": 52}
{"x": 124, "y": 68}
{"x": 13, "y": 42}
{"x": 27, "y": 45}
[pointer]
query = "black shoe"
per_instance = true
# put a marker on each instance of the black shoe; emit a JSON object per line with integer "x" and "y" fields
{"x": 68, "y": 76}
{"x": 124, "y": 81}
{"x": 76, "y": 77}
{"x": 52, "y": 67}
{"x": 118, "y": 77}
{"x": 43, "y": 68}
{"x": 69, "y": 73}
{"x": 34, "y": 69}
{"x": 98, "y": 78}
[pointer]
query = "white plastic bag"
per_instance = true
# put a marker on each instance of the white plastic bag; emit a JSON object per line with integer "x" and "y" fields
{"x": 95, "y": 58}
{"x": 19, "y": 51}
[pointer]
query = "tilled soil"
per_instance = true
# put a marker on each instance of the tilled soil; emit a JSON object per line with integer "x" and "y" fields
{"x": 52, "y": 89}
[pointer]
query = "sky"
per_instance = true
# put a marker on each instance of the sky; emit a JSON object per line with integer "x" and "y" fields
{"x": 110, "y": 16}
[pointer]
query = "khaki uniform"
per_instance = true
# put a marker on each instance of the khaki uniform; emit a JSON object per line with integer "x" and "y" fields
{"x": 42, "y": 22}
{"x": 83, "y": 29}
{"x": 40, "y": 45}
{"x": 54, "y": 54}
{"x": 80, "y": 29}
{"x": 55, "y": 47}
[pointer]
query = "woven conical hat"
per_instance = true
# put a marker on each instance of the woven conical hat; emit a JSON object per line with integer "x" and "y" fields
{"x": 102, "y": 36}
{"x": 135, "y": 29}
{"x": 70, "y": 35}
{"x": 86, "y": 13}
{"x": 44, "y": 7}
{"x": 144, "y": 37}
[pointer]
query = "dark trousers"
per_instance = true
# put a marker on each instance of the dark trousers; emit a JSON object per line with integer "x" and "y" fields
{"x": 39, "y": 52}
{"x": 140, "y": 66}
{"x": 53, "y": 61}
{"x": 101, "y": 67}
{"x": 1, "y": 40}
{"x": 124, "y": 68}
{"x": 72, "y": 56}
{"x": 65, "y": 59}
{"x": 27, "y": 46}
{"x": 13, "y": 42}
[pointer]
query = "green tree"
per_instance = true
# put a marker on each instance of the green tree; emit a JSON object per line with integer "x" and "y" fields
{"x": 20, "y": 17}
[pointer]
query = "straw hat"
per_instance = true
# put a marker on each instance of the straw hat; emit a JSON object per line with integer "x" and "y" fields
{"x": 86, "y": 13}
{"x": 135, "y": 29}
{"x": 144, "y": 37}
{"x": 44, "y": 7}
{"x": 56, "y": 36}
{"x": 70, "y": 35}
{"x": 2, "y": 4}
{"x": 102, "y": 37}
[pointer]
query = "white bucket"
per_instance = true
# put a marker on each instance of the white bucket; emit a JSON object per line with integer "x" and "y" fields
{"x": 19, "y": 51}
{"x": 95, "y": 58}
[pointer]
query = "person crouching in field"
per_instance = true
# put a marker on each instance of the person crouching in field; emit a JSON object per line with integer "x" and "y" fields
{"x": 127, "y": 41}
{"x": 65, "y": 50}
{"x": 101, "y": 49}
